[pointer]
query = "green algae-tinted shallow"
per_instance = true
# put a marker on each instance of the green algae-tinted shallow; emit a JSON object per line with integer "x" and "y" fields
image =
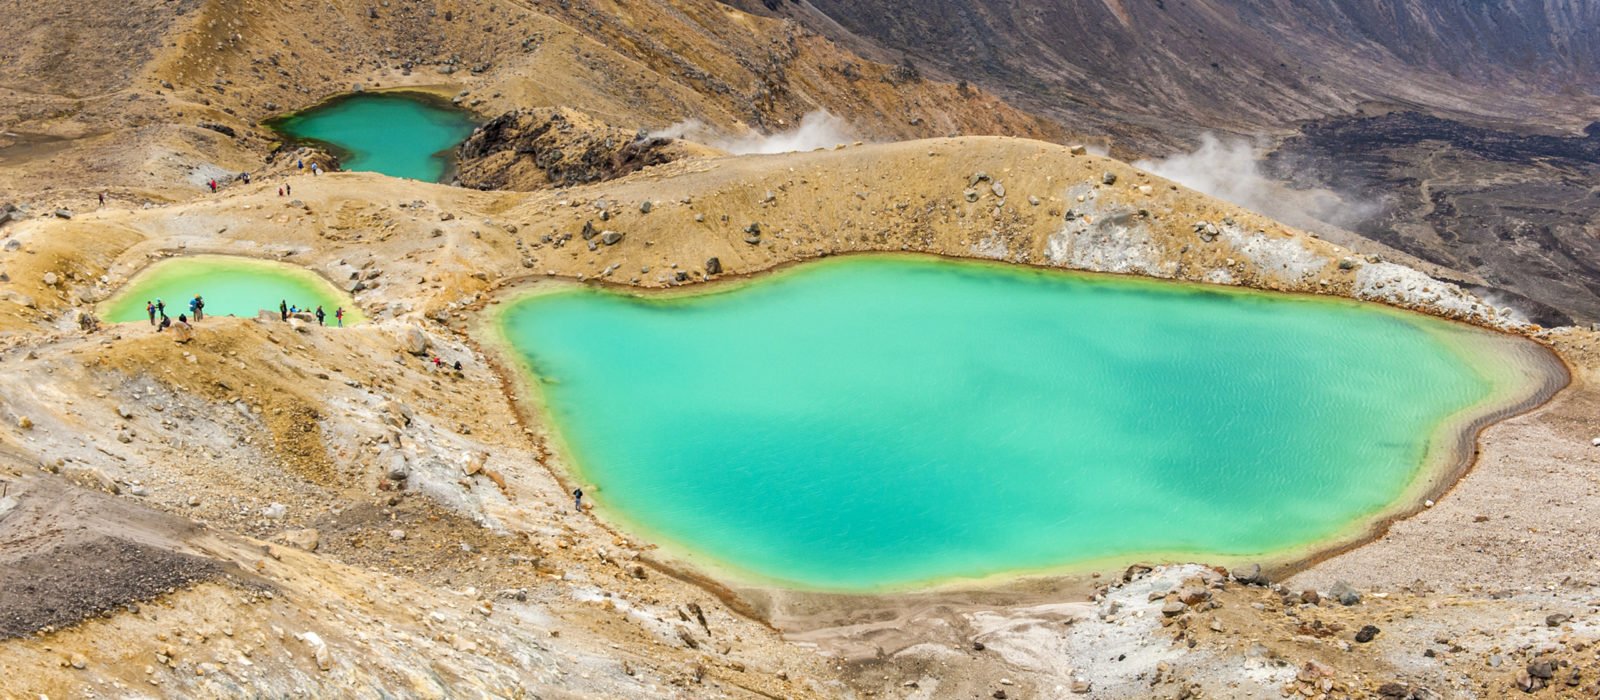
{"x": 231, "y": 286}
{"x": 892, "y": 422}
{"x": 391, "y": 133}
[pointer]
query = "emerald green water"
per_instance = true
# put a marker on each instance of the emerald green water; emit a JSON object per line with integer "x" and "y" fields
{"x": 389, "y": 133}
{"x": 889, "y": 422}
{"x": 230, "y": 286}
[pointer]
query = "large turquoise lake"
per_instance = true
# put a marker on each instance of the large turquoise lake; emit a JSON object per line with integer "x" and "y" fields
{"x": 883, "y": 422}
{"x": 391, "y": 133}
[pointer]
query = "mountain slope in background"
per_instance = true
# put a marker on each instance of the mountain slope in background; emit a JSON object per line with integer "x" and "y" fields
{"x": 1434, "y": 120}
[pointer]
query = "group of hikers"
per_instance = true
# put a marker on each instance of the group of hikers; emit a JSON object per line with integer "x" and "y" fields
{"x": 157, "y": 311}
{"x": 285, "y": 311}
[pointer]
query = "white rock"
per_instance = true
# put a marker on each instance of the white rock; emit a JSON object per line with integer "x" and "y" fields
{"x": 276, "y": 511}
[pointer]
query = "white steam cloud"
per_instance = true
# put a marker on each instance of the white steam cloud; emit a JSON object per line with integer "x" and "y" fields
{"x": 1228, "y": 170}
{"x": 819, "y": 129}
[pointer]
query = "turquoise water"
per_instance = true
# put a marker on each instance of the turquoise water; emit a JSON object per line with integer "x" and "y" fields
{"x": 884, "y": 422}
{"x": 387, "y": 133}
{"x": 231, "y": 287}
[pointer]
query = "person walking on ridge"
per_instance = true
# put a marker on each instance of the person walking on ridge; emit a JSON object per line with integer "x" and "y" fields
{"x": 283, "y": 309}
{"x": 338, "y": 316}
{"x": 321, "y": 315}
{"x": 161, "y": 308}
{"x": 577, "y": 500}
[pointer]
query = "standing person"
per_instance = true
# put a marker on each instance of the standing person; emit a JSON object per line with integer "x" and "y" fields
{"x": 280, "y": 191}
{"x": 289, "y": 189}
{"x": 299, "y": 164}
{"x": 161, "y": 308}
{"x": 320, "y": 315}
{"x": 338, "y": 316}
{"x": 283, "y": 309}
{"x": 150, "y": 310}
{"x": 212, "y": 184}
{"x": 577, "y": 500}
{"x": 194, "y": 307}
{"x": 102, "y": 199}
{"x": 199, "y": 307}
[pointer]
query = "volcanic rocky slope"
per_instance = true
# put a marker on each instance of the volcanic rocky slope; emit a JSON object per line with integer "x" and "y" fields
{"x": 1489, "y": 176}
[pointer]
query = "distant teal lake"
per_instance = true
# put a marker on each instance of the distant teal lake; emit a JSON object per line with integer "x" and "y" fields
{"x": 885, "y": 422}
{"x": 390, "y": 133}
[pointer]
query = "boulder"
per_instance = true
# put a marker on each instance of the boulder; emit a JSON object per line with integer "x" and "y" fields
{"x": 1366, "y": 633}
{"x": 610, "y": 237}
{"x": 63, "y": 213}
{"x": 414, "y": 340}
{"x": 713, "y": 266}
{"x": 1108, "y": 178}
{"x": 182, "y": 332}
{"x": 1173, "y": 608}
{"x": 1078, "y": 149}
{"x": 646, "y": 206}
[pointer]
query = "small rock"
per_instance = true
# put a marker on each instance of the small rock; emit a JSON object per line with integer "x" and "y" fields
{"x": 276, "y": 511}
{"x": 610, "y": 237}
{"x": 1310, "y": 596}
{"x": 1343, "y": 593}
{"x": 713, "y": 266}
{"x": 24, "y": 422}
{"x": 1109, "y": 178}
{"x": 78, "y": 661}
{"x": 646, "y": 206}
{"x": 1078, "y": 149}
{"x": 63, "y": 213}
{"x": 1249, "y": 574}
{"x": 124, "y": 411}
{"x": 1557, "y": 619}
{"x": 397, "y": 535}
{"x": 1032, "y": 200}
{"x": 998, "y": 189}
{"x": 971, "y": 195}
{"x": 1366, "y": 633}
{"x": 1543, "y": 669}
{"x": 51, "y": 279}
{"x": 306, "y": 539}
{"x": 1173, "y": 608}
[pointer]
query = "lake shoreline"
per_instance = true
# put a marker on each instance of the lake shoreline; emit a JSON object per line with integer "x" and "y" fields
{"x": 778, "y": 604}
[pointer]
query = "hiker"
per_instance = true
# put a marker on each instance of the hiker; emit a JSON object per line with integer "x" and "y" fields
{"x": 283, "y": 309}
{"x": 161, "y": 308}
{"x": 437, "y": 362}
{"x": 182, "y": 318}
{"x": 458, "y": 365}
{"x": 299, "y": 164}
{"x": 294, "y": 310}
{"x": 316, "y": 169}
{"x": 338, "y": 316}
{"x": 320, "y": 315}
{"x": 288, "y": 189}
{"x": 577, "y": 500}
{"x": 165, "y": 322}
{"x": 213, "y": 185}
{"x": 194, "y": 307}
{"x": 280, "y": 191}
{"x": 199, "y": 307}
{"x": 150, "y": 309}
{"x": 102, "y": 199}
{"x": 246, "y": 178}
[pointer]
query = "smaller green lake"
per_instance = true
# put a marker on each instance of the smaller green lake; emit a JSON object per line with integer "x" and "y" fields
{"x": 231, "y": 286}
{"x": 891, "y": 422}
{"x": 397, "y": 134}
